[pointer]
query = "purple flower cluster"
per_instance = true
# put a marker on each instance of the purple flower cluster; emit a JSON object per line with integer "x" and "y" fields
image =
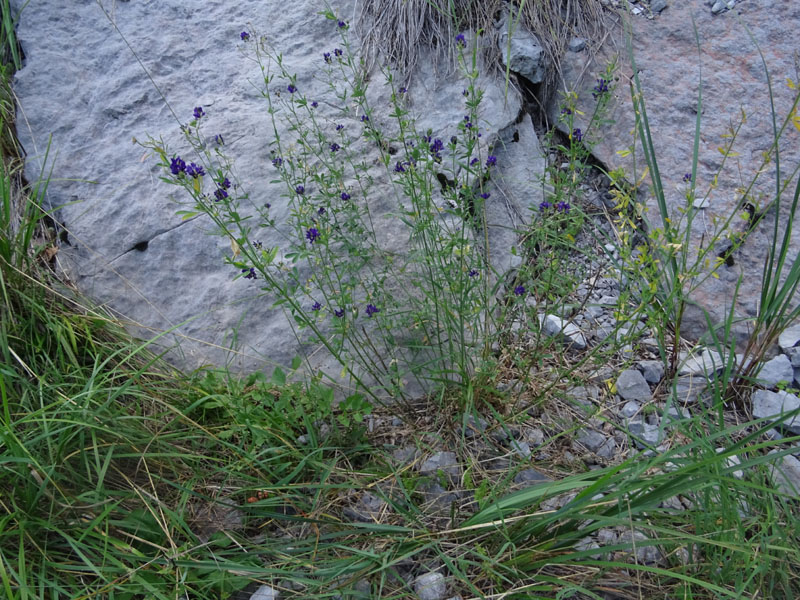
{"x": 399, "y": 168}
{"x": 245, "y": 36}
{"x": 472, "y": 273}
{"x": 316, "y": 307}
{"x": 687, "y": 177}
{"x": 562, "y": 207}
{"x": 195, "y": 171}
{"x": 600, "y": 89}
{"x": 372, "y": 309}
{"x": 342, "y": 24}
{"x": 335, "y": 147}
{"x": 327, "y": 57}
{"x": 577, "y": 135}
{"x": 485, "y": 195}
{"x": 337, "y": 52}
{"x": 300, "y": 190}
{"x": 364, "y": 118}
{"x": 292, "y": 89}
{"x": 461, "y": 40}
{"x": 312, "y": 234}
{"x": 566, "y": 111}
{"x": 251, "y": 273}
{"x": 544, "y": 206}
{"x": 277, "y": 162}
{"x": 491, "y": 161}
{"x": 177, "y": 166}
{"x": 339, "y": 313}
{"x": 345, "y": 196}
{"x": 199, "y": 113}
{"x": 519, "y": 290}
{"x": 436, "y": 148}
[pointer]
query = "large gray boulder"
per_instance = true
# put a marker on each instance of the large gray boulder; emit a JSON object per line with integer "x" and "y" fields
{"x": 669, "y": 64}
{"x": 125, "y": 246}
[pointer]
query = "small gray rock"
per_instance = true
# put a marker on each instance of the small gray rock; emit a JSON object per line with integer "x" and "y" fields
{"x": 786, "y": 474}
{"x": 474, "y": 427}
{"x": 689, "y": 388}
{"x": 521, "y": 449}
{"x": 430, "y": 586}
{"x": 523, "y": 53}
{"x": 630, "y": 409}
{"x": 368, "y": 508}
{"x": 776, "y": 370}
{"x": 772, "y": 404}
{"x": 608, "y": 449}
{"x": 530, "y": 476}
{"x": 794, "y": 356}
{"x": 631, "y": 385}
{"x": 789, "y": 338}
{"x": 576, "y": 45}
{"x": 567, "y": 333}
{"x": 591, "y": 439}
{"x": 265, "y": 593}
{"x": 645, "y": 434}
{"x": 652, "y": 370}
{"x": 656, "y": 6}
{"x": 447, "y": 462}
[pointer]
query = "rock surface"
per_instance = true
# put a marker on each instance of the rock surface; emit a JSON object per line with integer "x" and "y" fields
{"x": 667, "y": 58}
{"x": 126, "y": 247}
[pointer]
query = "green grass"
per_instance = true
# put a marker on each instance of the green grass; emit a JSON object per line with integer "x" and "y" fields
{"x": 114, "y": 467}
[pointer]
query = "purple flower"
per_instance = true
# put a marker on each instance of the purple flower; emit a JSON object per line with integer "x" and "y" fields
{"x": 257, "y": 244}
{"x": 342, "y": 24}
{"x": 198, "y": 112}
{"x": 687, "y": 177}
{"x": 335, "y": 147}
{"x": 339, "y": 127}
{"x": 277, "y": 162}
{"x": 220, "y": 194}
{"x": 337, "y": 52}
{"x": 562, "y": 207}
{"x": 364, "y": 118}
{"x": 399, "y": 168}
{"x": 314, "y": 104}
{"x": 473, "y": 273}
{"x": 345, "y": 196}
{"x": 402, "y": 90}
{"x": 485, "y": 195}
{"x": 491, "y": 161}
{"x": 177, "y": 165}
{"x": 226, "y": 183}
{"x": 544, "y": 206}
{"x": 461, "y": 40}
{"x": 600, "y": 89}
{"x": 473, "y": 162}
{"x": 372, "y": 309}
{"x": 327, "y": 57}
{"x": 300, "y": 189}
{"x": 453, "y": 140}
{"x": 464, "y": 93}
{"x": 267, "y": 205}
{"x": 339, "y": 313}
{"x": 577, "y": 135}
{"x": 566, "y": 111}
{"x": 195, "y": 171}
{"x": 251, "y": 273}
{"x": 436, "y": 146}
{"x": 218, "y": 140}
{"x": 321, "y": 211}
{"x": 292, "y": 89}
{"x": 316, "y": 306}
{"x": 245, "y": 36}
{"x": 519, "y": 290}
{"x": 312, "y": 234}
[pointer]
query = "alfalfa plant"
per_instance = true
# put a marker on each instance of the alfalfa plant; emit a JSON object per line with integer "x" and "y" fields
{"x": 388, "y": 315}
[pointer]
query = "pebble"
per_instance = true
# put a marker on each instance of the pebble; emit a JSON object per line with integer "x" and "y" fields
{"x": 530, "y": 476}
{"x": 265, "y": 593}
{"x": 786, "y": 474}
{"x": 656, "y": 6}
{"x": 576, "y": 45}
{"x": 652, "y": 370}
{"x": 447, "y": 462}
{"x": 789, "y": 338}
{"x": 631, "y": 385}
{"x": 591, "y": 439}
{"x": 772, "y": 404}
{"x": 630, "y": 409}
{"x": 775, "y": 371}
{"x": 430, "y": 586}
{"x": 567, "y": 333}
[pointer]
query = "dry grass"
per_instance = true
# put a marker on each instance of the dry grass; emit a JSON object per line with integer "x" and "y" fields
{"x": 396, "y": 31}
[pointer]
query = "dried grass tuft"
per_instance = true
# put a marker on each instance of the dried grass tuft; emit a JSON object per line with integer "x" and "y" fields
{"x": 396, "y": 31}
